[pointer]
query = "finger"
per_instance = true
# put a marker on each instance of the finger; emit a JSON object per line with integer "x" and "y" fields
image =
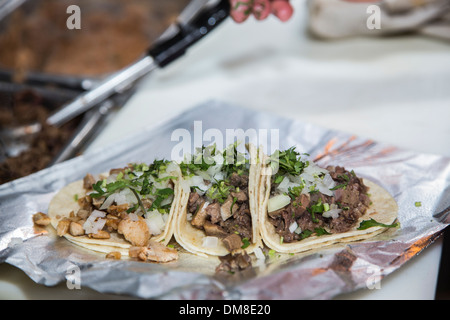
{"x": 282, "y": 9}
{"x": 240, "y": 10}
{"x": 261, "y": 9}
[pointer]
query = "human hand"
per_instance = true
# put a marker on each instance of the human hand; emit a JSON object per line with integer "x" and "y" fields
{"x": 261, "y": 9}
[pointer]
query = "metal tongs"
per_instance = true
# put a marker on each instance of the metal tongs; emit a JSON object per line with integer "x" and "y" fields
{"x": 195, "y": 22}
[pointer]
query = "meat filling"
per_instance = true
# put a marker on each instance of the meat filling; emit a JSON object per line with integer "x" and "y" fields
{"x": 229, "y": 218}
{"x": 306, "y": 213}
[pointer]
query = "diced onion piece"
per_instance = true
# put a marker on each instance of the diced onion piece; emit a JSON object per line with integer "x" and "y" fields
{"x": 259, "y": 254}
{"x": 293, "y": 227}
{"x": 155, "y": 222}
{"x": 277, "y": 202}
{"x": 108, "y": 202}
{"x": 210, "y": 242}
{"x": 260, "y": 259}
{"x": 167, "y": 201}
{"x": 333, "y": 212}
{"x": 171, "y": 170}
{"x": 198, "y": 182}
{"x": 285, "y": 184}
{"x": 94, "y": 223}
{"x": 133, "y": 216}
{"x": 125, "y": 196}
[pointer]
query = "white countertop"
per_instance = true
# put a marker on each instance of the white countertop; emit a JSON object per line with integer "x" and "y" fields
{"x": 393, "y": 90}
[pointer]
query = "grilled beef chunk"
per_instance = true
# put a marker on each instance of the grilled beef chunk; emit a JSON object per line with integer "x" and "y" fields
{"x": 237, "y": 180}
{"x": 213, "y": 210}
{"x": 234, "y": 262}
{"x": 233, "y": 242}
{"x": 352, "y": 199}
{"x": 214, "y": 230}
{"x": 200, "y": 216}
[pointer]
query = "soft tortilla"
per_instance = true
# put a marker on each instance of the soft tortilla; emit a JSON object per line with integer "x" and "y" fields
{"x": 63, "y": 203}
{"x": 191, "y": 238}
{"x": 383, "y": 209}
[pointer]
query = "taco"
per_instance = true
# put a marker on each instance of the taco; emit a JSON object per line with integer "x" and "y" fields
{"x": 129, "y": 207}
{"x": 218, "y": 209}
{"x": 303, "y": 206}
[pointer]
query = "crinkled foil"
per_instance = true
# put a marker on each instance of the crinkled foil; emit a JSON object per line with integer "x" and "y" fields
{"x": 410, "y": 177}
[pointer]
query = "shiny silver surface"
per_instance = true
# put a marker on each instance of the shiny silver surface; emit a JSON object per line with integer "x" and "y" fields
{"x": 408, "y": 176}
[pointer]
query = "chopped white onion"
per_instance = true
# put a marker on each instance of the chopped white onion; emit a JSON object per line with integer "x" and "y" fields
{"x": 210, "y": 242}
{"x": 97, "y": 214}
{"x": 213, "y": 170}
{"x": 94, "y": 222}
{"x": 333, "y": 212}
{"x": 259, "y": 254}
{"x": 260, "y": 259}
{"x": 155, "y": 222}
{"x": 108, "y": 202}
{"x": 133, "y": 216}
{"x": 277, "y": 202}
{"x": 167, "y": 201}
{"x": 310, "y": 180}
{"x": 284, "y": 185}
{"x": 298, "y": 230}
{"x": 293, "y": 227}
{"x": 199, "y": 183}
{"x": 171, "y": 170}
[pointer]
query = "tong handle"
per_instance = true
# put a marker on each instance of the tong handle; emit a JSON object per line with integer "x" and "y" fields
{"x": 185, "y": 35}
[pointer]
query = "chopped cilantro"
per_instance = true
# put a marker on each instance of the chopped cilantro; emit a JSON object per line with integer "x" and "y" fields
{"x": 140, "y": 179}
{"x": 219, "y": 191}
{"x": 295, "y": 192}
{"x": 318, "y": 231}
{"x": 245, "y": 242}
{"x": 287, "y": 162}
{"x": 366, "y": 224}
{"x": 321, "y": 231}
{"x": 316, "y": 208}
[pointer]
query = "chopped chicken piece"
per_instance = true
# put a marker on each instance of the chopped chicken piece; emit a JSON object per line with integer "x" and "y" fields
{"x": 83, "y": 214}
{"x": 155, "y": 251}
{"x": 136, "y": 232}
{"x": 76, "y": 229}
{"x": 101, "y": 234}
{"x": 117, "y": 209}
{"x": 116, "y": 255}
{"x": 63, "y": 227}
{"x": 41, "y": 219}
{"x": 88, "y": 181}
{"x": 112, "y": 222}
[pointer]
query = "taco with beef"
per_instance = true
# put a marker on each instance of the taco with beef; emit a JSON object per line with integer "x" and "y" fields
{"x": 218, "y": 209}
{"x": 127, "y": 209}
{"x": 303, "y": 206}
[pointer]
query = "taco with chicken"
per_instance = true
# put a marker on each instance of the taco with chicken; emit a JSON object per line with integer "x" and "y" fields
{"x": 303, "y": 206}
{"x": 218, "y": 209}
{"x": 127, "y": 208}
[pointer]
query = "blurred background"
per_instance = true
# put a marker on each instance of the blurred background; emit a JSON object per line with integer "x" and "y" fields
{"x": 377, "y": 69}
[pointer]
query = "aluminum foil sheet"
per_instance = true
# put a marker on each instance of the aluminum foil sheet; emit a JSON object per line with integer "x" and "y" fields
{"x": 410, "y": 177}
